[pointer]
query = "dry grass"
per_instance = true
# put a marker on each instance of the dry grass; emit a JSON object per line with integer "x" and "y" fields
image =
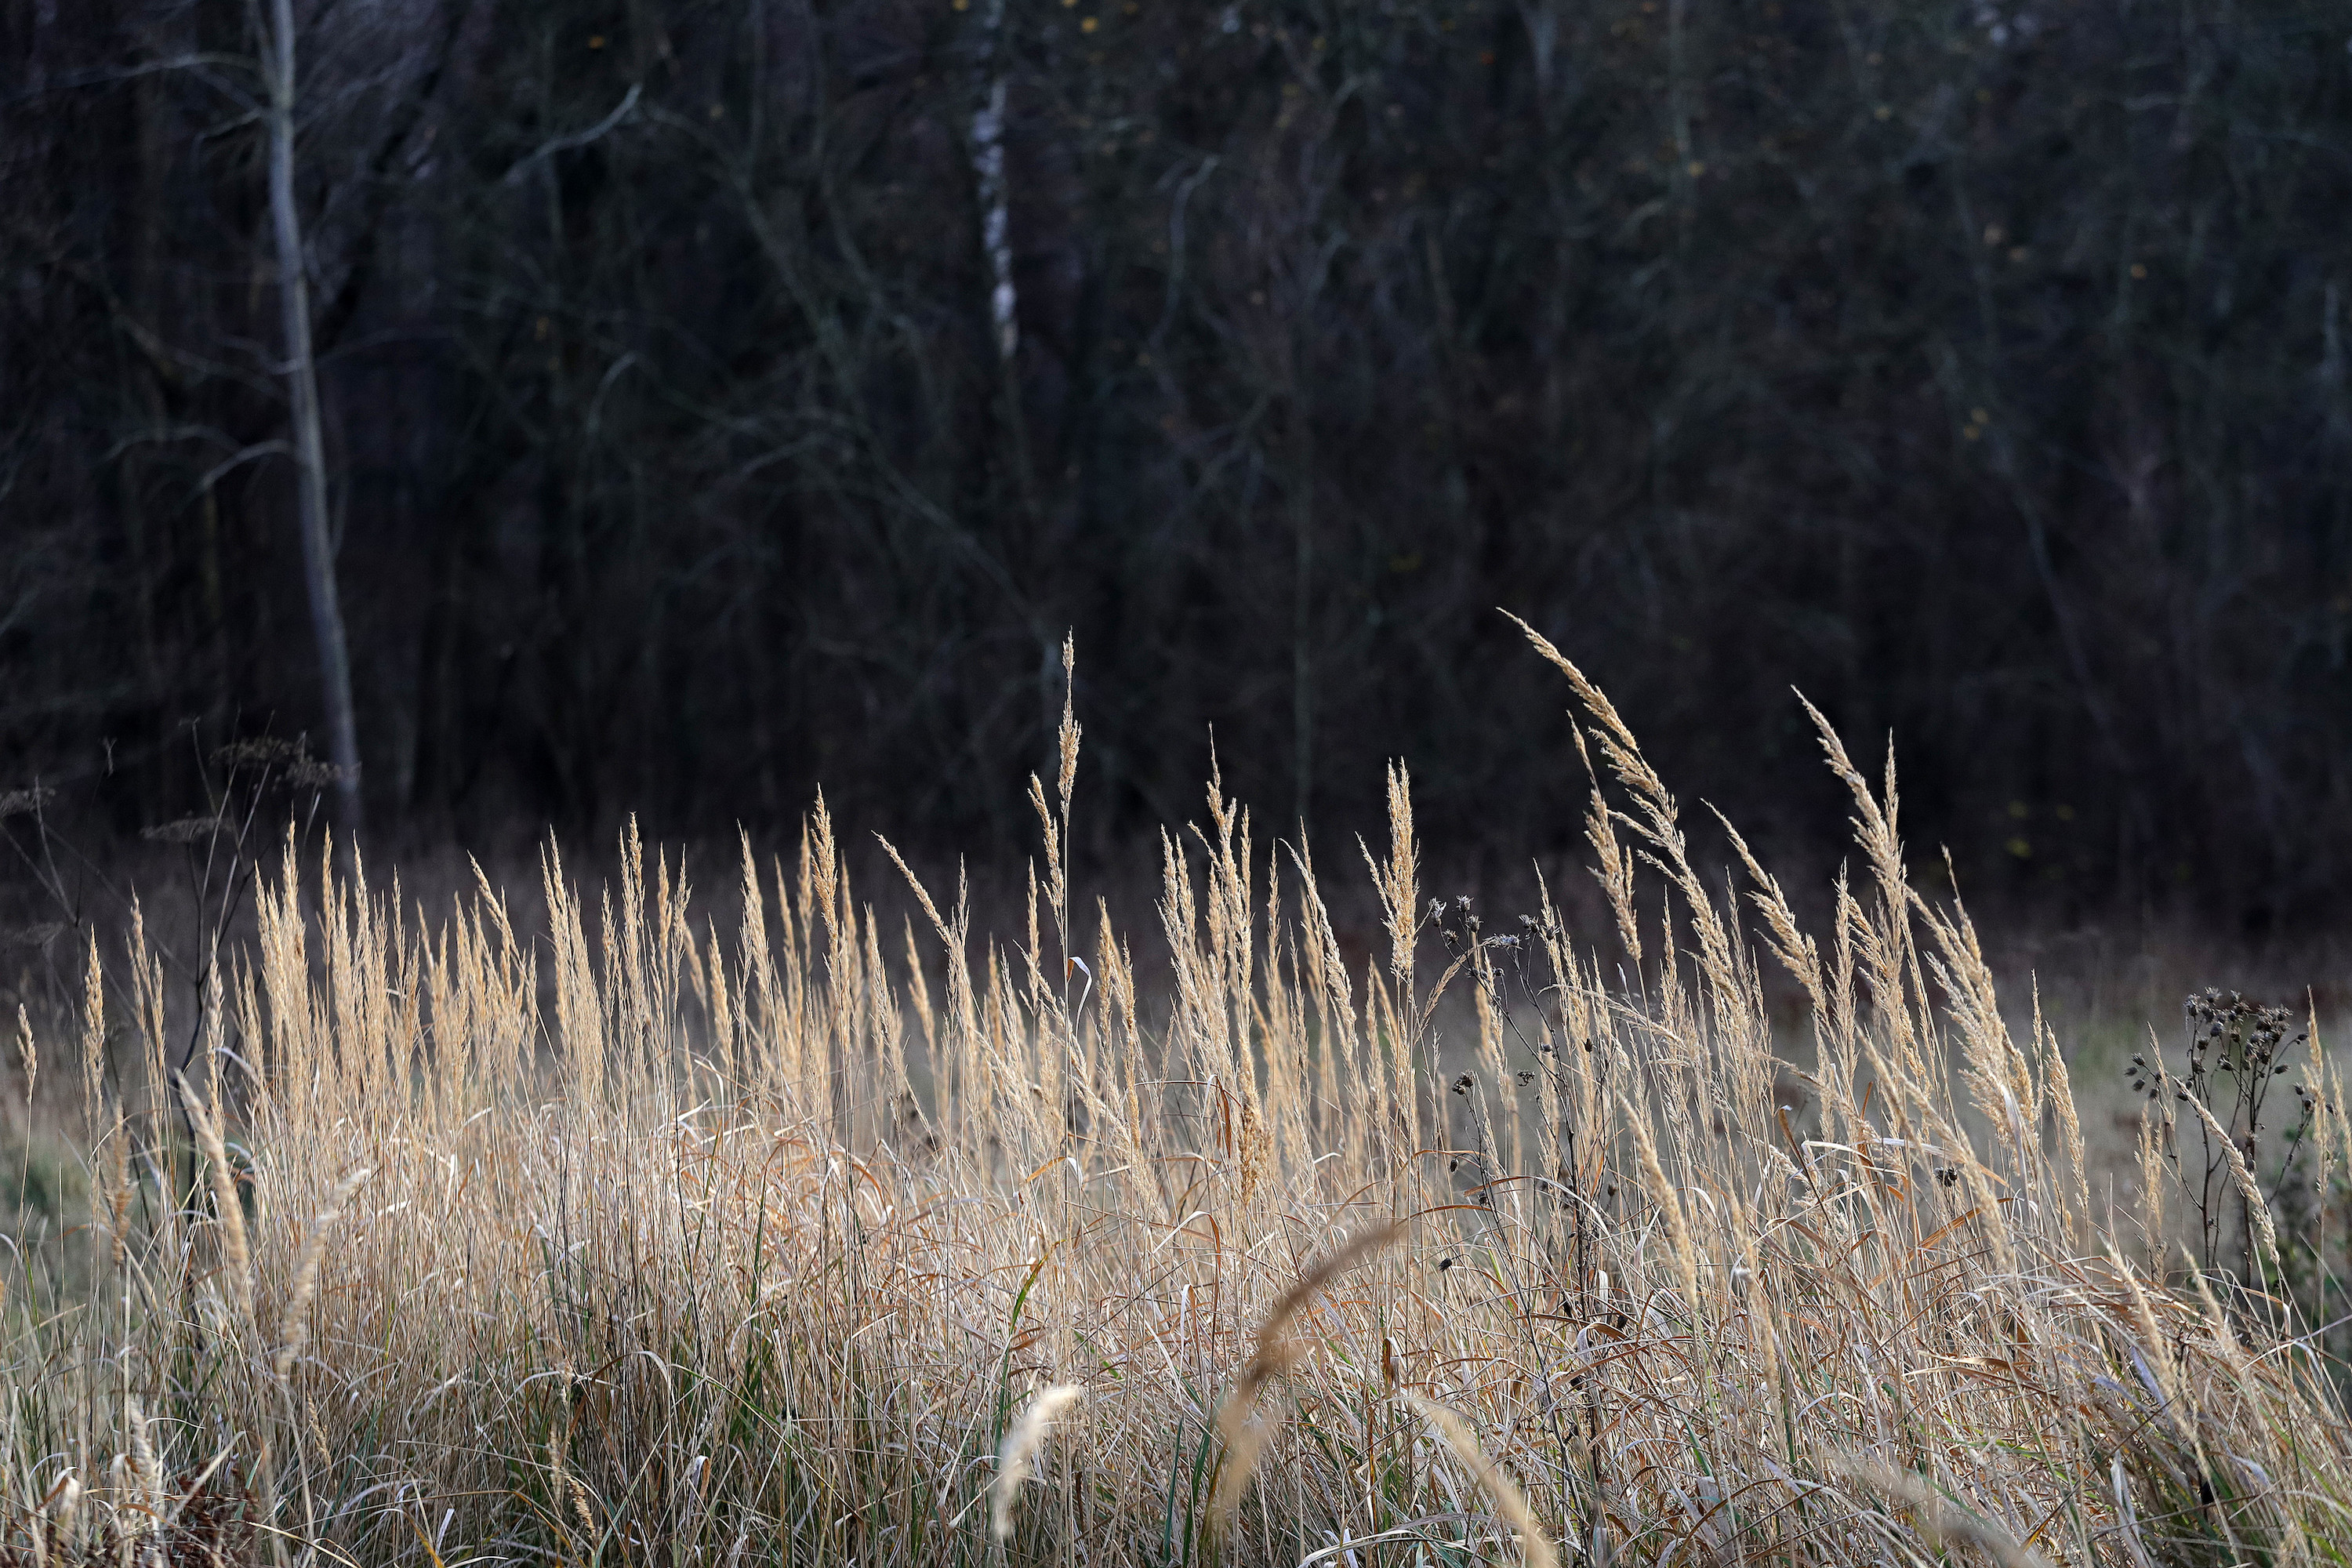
{"x": 630, "y": 1244}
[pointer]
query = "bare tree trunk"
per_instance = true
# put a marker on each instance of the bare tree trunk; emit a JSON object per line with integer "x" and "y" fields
{"x": 988, "y": 123}
{"x": 276, "y": 47}
{"x": 995, "y": 205}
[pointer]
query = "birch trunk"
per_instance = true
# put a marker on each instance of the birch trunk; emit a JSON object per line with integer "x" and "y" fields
{"x": 988, "y": 163}
{"x": 276, "y": 47}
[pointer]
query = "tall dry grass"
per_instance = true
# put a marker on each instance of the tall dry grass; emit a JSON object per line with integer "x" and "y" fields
{"x": 627, "y": 1242}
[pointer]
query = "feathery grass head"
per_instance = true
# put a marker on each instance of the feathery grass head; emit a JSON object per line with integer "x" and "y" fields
{"x": 294, "y": 1322}
{"x": 1943, "y": 1520}
{"x": 1245, "y": 1438}
{"x": 1534, "y": 1546}
{"x": 28, "y": 1054}
{"x": 228, "y": 1211}
{"x": 1016, "y": 1458}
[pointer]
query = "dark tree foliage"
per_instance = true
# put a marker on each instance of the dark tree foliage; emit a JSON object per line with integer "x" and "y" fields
{"x": 1978, "y": 368}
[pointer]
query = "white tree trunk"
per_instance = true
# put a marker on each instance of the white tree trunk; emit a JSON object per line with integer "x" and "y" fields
{"x": 995, "y": 205}
{"x": 276, "y": 48}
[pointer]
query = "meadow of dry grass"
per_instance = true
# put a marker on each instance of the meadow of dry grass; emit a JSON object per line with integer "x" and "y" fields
{"x": 627, "y": 1242}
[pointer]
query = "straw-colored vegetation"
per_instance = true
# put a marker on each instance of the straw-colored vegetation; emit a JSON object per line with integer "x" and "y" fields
{"x": 630, "y": 1242}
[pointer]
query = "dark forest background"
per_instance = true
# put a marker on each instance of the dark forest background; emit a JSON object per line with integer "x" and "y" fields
{"x": 1978, "y": 368}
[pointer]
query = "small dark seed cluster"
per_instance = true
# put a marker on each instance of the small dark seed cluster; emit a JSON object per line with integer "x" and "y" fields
{"x": 2230, "y": 1034}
